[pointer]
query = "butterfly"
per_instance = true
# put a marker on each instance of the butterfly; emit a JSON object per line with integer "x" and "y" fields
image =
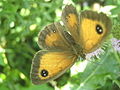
{"x": 63, "y": 44}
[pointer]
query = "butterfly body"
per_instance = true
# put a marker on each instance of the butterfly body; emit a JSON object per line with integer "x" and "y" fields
{"x": 63, "y": 44}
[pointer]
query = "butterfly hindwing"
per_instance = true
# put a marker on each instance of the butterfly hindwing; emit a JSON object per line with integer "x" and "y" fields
{"x": 54, "y": 37}
{"x": 48, "y": 65}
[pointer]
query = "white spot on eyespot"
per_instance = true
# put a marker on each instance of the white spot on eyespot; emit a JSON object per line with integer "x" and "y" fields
{"x": 54, "y": 31}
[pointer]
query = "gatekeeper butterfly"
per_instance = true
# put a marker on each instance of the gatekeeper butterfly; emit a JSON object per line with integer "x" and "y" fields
{"x": 62, "y": 44}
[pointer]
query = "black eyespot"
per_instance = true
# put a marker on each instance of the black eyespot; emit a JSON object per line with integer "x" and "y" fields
{"x": 99, "y": 29}
{"x": 44, "y": 73}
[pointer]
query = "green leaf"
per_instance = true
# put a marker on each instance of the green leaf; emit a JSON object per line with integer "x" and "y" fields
{"x": 95, "y": 76}
{"x": 2, "y": 63}
{"x": 38, "y": 87}
{"x": 116, "y": 10}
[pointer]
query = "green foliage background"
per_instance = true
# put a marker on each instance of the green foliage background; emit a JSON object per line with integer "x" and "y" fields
{"x": 20, "y": 23}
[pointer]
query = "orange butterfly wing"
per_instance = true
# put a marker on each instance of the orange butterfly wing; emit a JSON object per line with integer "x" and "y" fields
{"x": 54, "y": 37}
{"x": 71, "y": 21}
{"x": 48, "y": 65}
{"x": 83, "y": 27}
{"x": 94, "y": 27}
{"x": 58, "y": 56}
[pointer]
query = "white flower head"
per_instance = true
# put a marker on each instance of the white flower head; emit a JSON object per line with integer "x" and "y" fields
{"x": 116, "y": 44}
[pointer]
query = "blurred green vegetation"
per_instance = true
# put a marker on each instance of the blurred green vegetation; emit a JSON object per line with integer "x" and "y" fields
{"x": 20, "y": 23}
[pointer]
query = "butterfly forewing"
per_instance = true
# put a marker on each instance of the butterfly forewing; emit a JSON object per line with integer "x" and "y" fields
{"x": 94, "y": 27}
